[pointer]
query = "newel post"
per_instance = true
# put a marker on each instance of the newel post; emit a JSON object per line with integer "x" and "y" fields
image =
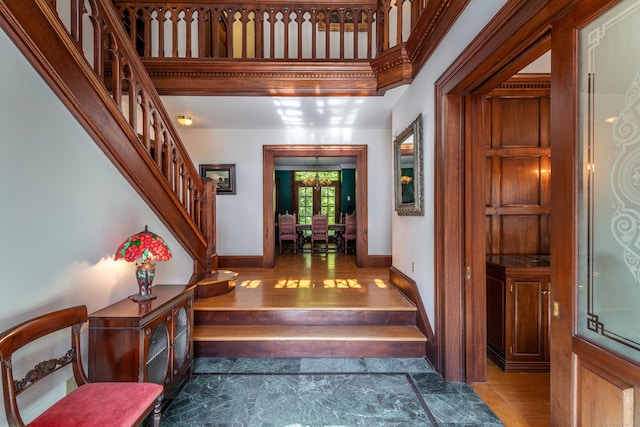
{"x": 209, "y": 224}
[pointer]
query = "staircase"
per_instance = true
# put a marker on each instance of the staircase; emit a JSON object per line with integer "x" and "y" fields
{"x": 282, "y": 327}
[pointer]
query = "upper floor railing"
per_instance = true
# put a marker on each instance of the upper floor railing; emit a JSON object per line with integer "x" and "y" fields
{"x": 268, "y": 29}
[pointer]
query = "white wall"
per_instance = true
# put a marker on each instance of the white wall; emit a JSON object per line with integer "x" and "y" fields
{"x": 413, "y": 237}
{"x": 64, "y": 211}
{"x": 239, "y": 217}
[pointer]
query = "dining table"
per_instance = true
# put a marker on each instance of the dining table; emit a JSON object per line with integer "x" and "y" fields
{"x": 338, "y": 228}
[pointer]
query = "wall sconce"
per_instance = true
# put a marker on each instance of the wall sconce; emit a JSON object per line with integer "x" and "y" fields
{"x": 144, "y": 248}
{"x": 185, "y": 120}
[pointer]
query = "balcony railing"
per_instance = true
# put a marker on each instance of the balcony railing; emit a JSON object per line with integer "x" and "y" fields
{"x": 326, "y": 30}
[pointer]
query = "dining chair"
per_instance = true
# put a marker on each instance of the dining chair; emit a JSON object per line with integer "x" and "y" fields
{"x": 320, "y": 231}
{"x": 287, "y": 230}
{"x": 349, "y": 230}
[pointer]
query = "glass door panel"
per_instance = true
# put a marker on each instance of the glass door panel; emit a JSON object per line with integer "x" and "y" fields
{"x": 609, "y": 190}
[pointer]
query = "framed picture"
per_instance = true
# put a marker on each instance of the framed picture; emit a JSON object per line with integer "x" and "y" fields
{"x": 223, "y": 175}
{"x": 334, "y": 22}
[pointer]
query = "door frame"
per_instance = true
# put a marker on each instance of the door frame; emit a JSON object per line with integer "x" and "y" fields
{"x": 518, "y": 34}
{"x": 270, "y": 152}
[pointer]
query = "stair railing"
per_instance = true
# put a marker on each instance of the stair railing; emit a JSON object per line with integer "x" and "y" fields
{"x": 324, "y": 30}
{"x": 82, "y": 50}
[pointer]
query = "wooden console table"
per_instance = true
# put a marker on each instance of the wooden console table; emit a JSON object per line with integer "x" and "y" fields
{"x": 518, "y": 311}
{"x": 150, "y": 341}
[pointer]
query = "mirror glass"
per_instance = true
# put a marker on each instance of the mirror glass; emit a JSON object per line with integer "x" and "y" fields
{"x": 408, "y": 170}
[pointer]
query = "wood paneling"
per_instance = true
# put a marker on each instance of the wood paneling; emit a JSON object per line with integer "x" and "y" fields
{"x": 517, "y": 165}
{"x": 602, "y": 399}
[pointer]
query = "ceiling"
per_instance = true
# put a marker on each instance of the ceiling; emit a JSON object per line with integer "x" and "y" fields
{"x": 281, "y": 113}
{"x": 263, "y": 112}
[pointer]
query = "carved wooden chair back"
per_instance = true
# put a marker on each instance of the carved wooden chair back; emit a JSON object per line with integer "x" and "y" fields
{"x": 320, "y": 230}
{"x": 287, "y": 229}
{"x": 350, "y": 230}
{"x": 113, "y": 404}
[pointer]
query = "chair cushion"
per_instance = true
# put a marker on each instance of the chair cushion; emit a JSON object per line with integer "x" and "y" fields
{"x": 101, "y": 405}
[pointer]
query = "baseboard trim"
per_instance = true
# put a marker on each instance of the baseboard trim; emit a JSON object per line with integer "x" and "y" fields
{"x": 240, "y": 261}
{"x": 410, "y": 289}
{"x": 379, "y": 261}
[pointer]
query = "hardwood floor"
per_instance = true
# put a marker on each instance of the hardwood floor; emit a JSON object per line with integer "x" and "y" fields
{"x": 309, "y": 305}
{"x": 318, "y": 281}
{"x": 518, "y": 399}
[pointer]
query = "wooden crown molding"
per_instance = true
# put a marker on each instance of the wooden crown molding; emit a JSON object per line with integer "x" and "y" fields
{"x": 199, "y": 76}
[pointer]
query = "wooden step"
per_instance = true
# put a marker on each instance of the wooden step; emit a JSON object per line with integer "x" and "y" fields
{"x": 310, "y": 317}
{"x": 220, "y": 283}
{"x": 308, "y": 341}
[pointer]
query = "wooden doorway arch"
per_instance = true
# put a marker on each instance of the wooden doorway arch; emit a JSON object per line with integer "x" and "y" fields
{"x": 271, "y": 152}
{"x": 520, "y": 33}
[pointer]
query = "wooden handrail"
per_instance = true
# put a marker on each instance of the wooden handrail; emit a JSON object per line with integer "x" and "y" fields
{"x": 85, "y": 55}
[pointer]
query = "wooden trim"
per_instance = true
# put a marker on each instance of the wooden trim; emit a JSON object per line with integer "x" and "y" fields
{"x": 517, "y": 35}
{"x": 240, "y": 261}
{"x": 614, "y": 364}
{"x": 379, "y": 261}
{"x": 392, "y": 67}
{"x": 410, "y": 289}
{"x": 270, "y": 152}
{"x": 206, "y": 76}
{"x": 433, "y": 25}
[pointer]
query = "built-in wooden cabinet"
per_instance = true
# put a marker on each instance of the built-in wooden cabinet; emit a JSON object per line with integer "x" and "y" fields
{"x": 149, "y": 341}
{"x": 518, "y": 312}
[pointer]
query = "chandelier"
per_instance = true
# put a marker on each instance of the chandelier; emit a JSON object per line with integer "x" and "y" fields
{"x": 316, "y": 182}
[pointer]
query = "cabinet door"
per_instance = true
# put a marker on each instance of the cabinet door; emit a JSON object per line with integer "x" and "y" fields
{"x": 157, "y": 350}
{"x": 529, "y": 308}
{"x": 182, "y": 343}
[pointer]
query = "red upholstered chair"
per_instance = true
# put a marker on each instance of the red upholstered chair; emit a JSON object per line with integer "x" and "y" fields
{"x": 91, "y": 404}
{"x": 287, "y": 230}
{"x": 320, "y": 231}
{"x": 349, "y": 230}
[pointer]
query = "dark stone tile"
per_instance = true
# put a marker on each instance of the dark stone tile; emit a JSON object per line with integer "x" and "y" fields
{"x": 267, "y": 365}
{"x": 432, "y": 382}
{"x": 458, "y": 409}
{"x": 326, "y": 365}
{"x": 328, "y": 392}
{"x": 398, "y": 365}
{"x": 212, "y": 365}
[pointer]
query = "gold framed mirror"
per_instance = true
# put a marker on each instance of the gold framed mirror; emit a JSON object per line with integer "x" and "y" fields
{"x": 408, "y": 174}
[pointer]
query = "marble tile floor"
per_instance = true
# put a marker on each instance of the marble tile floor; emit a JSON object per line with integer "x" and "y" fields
{"x": 323, "y": 392}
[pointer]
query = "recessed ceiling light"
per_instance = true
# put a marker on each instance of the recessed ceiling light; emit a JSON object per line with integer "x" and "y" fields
{"x": 185, "y": 120}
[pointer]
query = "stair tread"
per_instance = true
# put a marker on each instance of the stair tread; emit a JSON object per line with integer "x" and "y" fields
{"x": 306, "y": 333}
{"x": 208, "y": 304}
